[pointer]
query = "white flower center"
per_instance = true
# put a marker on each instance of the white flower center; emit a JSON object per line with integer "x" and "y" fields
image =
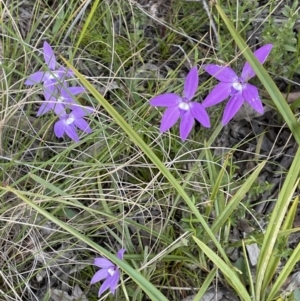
{"x": 60, "y": 99}
{"x": 237, "y": 86}
{"x": 50, "y": 76}
{"x": 184, "y": 106}
{"x": 70, "y": 120}
{"x": 111, "y": 271}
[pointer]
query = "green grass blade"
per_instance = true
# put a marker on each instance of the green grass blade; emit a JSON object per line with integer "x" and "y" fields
{"x": 49, "y": 186}
{"x": 206, "y": 284}
{"x": 235, "y": 200}
{"x": 226, "y": 269}
{"x": 275, "y": 259}
{"x": 216, "y": 175}
{"x": 264, "y": 77}
{"x": 248, "y": 271}
{"x": 287, "y": 269}
{"x": 86, "y": 24}
{"x": 271, "y": 235}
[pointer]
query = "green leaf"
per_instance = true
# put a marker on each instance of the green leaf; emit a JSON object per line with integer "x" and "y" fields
{"x": 235, "y": 200}
{"x": 297, "y": 294}
{"x": 226, "y": 269}
{"x": 216, "y": 177}
{"x": 59, "y": 20}
{"x": 50, "y": 186}
{"x": 206, "y": 284}
{"x": 275, "y": 259}
{"x": 271, "y": 235}
{"x": 61, "y": 211}
{"x": 285, "y": 272}
{"x": 290, "y": 48}
{"x": 274, "y": 262}
{"x": 87, "y": 23}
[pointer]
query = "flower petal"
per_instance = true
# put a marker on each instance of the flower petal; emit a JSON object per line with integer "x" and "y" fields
{"x": 261, "y": 54}
{"x": 44, "y": 108}
{"x": 222, "y": 73}
{"x": 186, "y": 125}
{"x": 59, "y": 128}
{"x": 58, "y": 108}
{"x": 169, "y": 118}
{"x": 114, "y": 280}
{"x": 68, "y": 94}
{"x": 71, "y": 132}
{"x": 121, "y": 253}
{"x": 73, "y": 90}
{"x": 50, "y": 92}
{"x": 81, "y": 111}
{"x": 233, "y": 105}
{"x": 191, "y": 84}
{"x": 63, "y": 72}
{"x": 250, "y": 94}
{"x": 49, "y": 56}
{"x": 50, "y": 84}
{"x": 59, "y": 75}
{"x": 220, "y": 92}
{"x": 165, "y": 100}
{"x": 35, "y": 78}
{"x": 105, "y": 285}
{"x": 83, "y": 125}
{"x": 199, "y": 113}
{"x": 103, "y": 263}
{"x": 100, "y": 275}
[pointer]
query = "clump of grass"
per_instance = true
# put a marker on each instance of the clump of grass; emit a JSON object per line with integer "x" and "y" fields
{"x": 114, "y": 35}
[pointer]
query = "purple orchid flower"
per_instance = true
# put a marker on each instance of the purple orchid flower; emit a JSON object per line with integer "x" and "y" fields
{"x": 182, "y": 107}
{"x": 236, "y": 87}
{"x": 109, "y": 271}
{"x": 67, "y": 123}
{"x": 51, "y": 77}
{"x": 58, "y": 99}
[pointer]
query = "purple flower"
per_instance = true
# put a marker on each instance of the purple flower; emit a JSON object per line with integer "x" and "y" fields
{"x": 236, "y": 87}
{"x": 109, "y": 271}
{"x": 67, "y": 123}
{"x": 182, "y": 107}
{"x": 58, "y": 99}
{"x": 52, "y": 76}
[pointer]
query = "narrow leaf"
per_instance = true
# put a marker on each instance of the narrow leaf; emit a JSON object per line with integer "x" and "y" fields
{"x": 275, "y": 259}
{"x": 278, "y": 214}
{"x": 206, "y": 284}
{"x": 226, "y": 269}
{"x": 235, "y": 200}
{"x": 285, "y": 272}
